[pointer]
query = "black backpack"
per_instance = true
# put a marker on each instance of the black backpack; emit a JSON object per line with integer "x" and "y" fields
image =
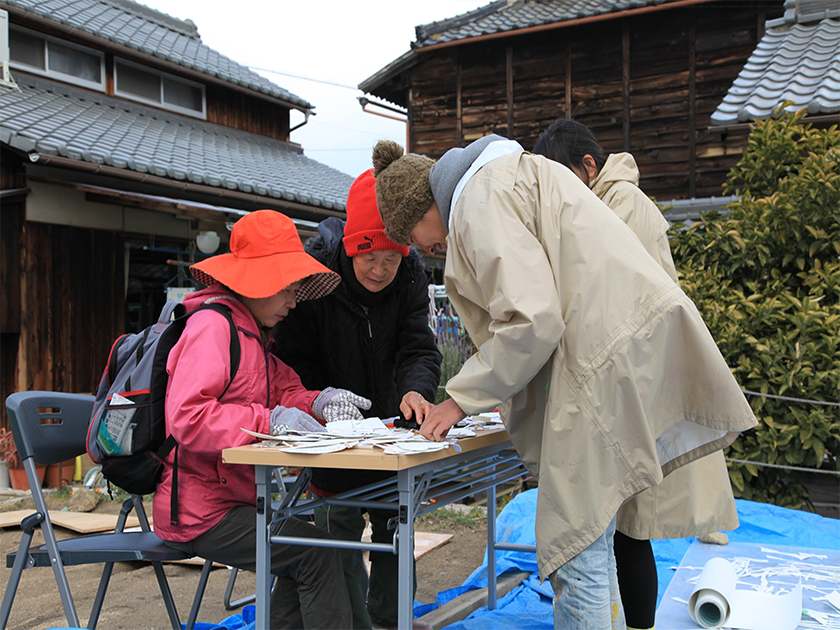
{"x": 127, "y": 432}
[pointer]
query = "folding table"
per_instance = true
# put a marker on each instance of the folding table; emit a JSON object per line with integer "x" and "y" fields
{"x": 422, "y": 483}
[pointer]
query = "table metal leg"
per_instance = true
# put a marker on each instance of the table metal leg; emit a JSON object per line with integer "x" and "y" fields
{"x": 491, "y": 547}
{"x": 263, "y": 605}
{"x": 405, "y": 531}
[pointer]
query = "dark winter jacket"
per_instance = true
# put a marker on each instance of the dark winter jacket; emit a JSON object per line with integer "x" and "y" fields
{"x": 377, "y": 345}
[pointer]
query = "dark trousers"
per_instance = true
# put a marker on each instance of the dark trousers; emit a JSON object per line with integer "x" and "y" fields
{"x": 637, "y": 580}
{"x": 373, "y": 600}
{"x": 310, "y": 590}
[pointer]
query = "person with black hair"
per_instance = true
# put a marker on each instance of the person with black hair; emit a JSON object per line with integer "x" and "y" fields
{"x": 696, "y": 499}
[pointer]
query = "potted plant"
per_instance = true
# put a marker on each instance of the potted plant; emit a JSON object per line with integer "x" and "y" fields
{"x": 9, "y": 455}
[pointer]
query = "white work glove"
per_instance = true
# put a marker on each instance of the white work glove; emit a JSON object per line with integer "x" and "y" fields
{"x": 339, "y": 404}
{"x": 283, "y": 419}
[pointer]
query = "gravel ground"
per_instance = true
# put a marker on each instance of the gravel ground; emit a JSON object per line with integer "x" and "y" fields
{"x": 133, "y": 600}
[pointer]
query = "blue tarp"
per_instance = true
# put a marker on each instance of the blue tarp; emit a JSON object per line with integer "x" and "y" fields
{"x": 766, "y": 567}
{"x": 528, "y": 606}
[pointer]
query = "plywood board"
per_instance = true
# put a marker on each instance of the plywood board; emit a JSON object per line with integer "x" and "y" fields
{"x": 81, "y": 522}
{"x": 90, "y": 522}
{"x": 196, "y": 562}
{"x": 423, "y": 543}
{"x": 13, "y": 519}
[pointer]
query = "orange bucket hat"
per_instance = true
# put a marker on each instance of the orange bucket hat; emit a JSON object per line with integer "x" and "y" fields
{"x": 266, "y": 255}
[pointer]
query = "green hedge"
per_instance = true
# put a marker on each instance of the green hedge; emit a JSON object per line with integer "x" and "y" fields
{"x": 767, "y": 282}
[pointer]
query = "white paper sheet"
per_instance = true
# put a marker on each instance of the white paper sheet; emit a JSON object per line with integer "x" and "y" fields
{"x": 717, "y": 603}
{"x": 317, "y": 449}
{"x": 410, "y": 447}
{"x": 366, "y": 425}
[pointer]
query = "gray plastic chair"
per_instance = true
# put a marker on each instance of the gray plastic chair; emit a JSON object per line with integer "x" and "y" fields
{"x": 51, "y": 427}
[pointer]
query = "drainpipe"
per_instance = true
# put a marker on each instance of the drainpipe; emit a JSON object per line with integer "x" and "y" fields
{"x": 306, "y": 115}
{"x": 364, "y": 102}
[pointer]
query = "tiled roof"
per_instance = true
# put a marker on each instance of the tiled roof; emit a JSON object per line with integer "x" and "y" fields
{"x": 52, "y": 118}
{"x": 797, "y": 60}
{"x": 153, "y": 33}
{"x": 502, "y": 16}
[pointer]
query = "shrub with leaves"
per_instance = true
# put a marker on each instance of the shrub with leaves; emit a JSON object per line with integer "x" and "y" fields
{"x": 767, "y": 282}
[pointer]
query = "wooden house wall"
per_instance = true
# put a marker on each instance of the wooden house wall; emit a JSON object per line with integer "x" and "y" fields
{"x": 12, "y": 214}
{"x": 240, "y": 111}
{"x": 72, "y": 307}
{"x": 646, "y": 84}
{"x": 12, "y": 177}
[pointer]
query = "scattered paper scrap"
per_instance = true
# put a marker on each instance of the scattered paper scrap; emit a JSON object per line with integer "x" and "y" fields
{"x": 833, "y": 598}
{"x": 367, "y": 433}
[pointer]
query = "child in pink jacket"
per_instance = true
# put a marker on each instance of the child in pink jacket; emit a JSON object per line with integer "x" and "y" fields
{"x": 264, "y": 276}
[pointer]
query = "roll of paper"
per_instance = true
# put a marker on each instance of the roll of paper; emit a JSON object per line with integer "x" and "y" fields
{"x": 709, "y": 603}
{"x": 716, "y": 603}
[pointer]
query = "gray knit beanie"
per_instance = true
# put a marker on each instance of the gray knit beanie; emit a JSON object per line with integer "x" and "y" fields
{"x": 403, "y": 193}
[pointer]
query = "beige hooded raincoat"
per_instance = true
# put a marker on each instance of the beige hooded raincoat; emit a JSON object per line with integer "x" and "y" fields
{"x": 612, "y": 378}
{"x": 697, "y": 498}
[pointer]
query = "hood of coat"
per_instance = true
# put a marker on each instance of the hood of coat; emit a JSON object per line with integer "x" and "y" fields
{"x": 327, "y": 248}
{"x": 619, "y": 167}
{"x": 448, "y": 171}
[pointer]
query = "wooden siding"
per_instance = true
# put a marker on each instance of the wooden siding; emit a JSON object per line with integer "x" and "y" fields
{"x": 12, "y": 209}
{"x": 645, "y": 84}
{"x": 12, "y": 214}
{"x": 240, "y": 111}
{"x": 72, "y": 307}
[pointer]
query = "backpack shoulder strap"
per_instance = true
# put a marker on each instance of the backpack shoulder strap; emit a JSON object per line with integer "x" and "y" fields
{"x": 235, "y": 354}
{"x": 235, "y": 348}
{"x": 171, "y": 310}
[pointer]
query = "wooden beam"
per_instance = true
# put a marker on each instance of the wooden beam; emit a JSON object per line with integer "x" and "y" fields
{"x": 762, "y": 19}
{"x": 692, "y": 107}
{"x": 459, "y": 123}
{"x": 569, "y": 78}
{"x": 509, "y": 89}
{"x": 625, "y": 82}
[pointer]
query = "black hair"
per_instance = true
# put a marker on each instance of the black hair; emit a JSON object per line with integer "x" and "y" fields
{"x": 567, "y": 142}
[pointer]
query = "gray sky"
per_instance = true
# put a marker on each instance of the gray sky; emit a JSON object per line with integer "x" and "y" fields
{"x": 334, "y": 41}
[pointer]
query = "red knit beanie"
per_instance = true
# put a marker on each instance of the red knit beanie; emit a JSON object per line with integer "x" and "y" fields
{"x": 364, "y": 231}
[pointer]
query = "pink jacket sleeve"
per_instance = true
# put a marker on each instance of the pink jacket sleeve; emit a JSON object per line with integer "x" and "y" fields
{"x": 289, "y": 391}
{"x": 199, "y": 371}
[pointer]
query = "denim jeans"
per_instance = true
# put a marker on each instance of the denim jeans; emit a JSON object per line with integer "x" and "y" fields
{"x": 586, "y": 595}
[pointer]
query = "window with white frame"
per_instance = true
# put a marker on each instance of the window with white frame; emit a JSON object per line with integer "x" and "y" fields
{"x": 144, "y": 84}
{"x": 46, "y": 55}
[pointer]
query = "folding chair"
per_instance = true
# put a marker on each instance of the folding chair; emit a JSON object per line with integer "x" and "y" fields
{"x": 51, "y": 427}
